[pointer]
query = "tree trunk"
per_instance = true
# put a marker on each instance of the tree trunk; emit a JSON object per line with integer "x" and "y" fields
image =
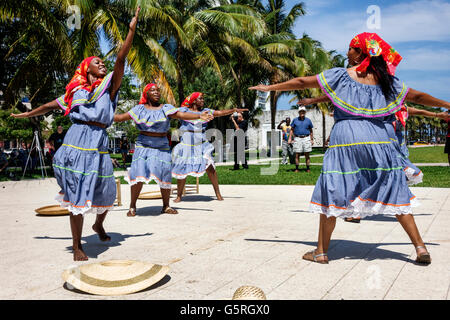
{"x": 180, "y": 86}
{"x": 273, "y": 108}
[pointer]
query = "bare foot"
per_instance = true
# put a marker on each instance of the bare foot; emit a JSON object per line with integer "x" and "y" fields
{"x": 178, "y": 199}
{"x": 131, "y": 212}
{"x": 79, "y": 255}
{"x": 219, "y": 197}
{"x": 101, "y": 233}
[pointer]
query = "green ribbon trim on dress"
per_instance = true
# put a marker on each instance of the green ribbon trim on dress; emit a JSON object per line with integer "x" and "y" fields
{"x": 364, "y": 169}
{"x": 81, "y": 172}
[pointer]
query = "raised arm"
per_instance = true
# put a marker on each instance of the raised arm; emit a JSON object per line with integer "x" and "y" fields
{"x": 426, "y": 99}
{"x": 293, "y": 84}
{"x": 119, "y": 66}
{"x": 122, "y": 117}
{"x": 52, "y": 105}
{"x": 222, "y": 113}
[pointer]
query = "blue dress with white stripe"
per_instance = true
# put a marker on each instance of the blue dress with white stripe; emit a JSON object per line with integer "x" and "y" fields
{"x": 82, "y": 165}
{"x": 362, "y": 174}
{"x": 152, "y": 158}
{"x": 193, "y": 155}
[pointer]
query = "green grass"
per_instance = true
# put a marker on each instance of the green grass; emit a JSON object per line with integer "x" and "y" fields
{"x": 428, "y": 155}
{"x": 436, "y": 177}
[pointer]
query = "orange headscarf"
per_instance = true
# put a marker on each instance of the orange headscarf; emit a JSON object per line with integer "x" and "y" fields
{"x": 190, "y": 99}
{"x": 144, "y": 93}
{"x": 79, "y": 81}
{"x": 373, "y": 46}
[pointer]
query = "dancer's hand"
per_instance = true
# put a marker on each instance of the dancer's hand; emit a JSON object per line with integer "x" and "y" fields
{"x": 261, "y": 87}
{"x": 442, "y": 115}
{"x": 134, "y": 21}
{"x": 305, "y": 102}
{"x": 240, "y": 110}
{"x": 19, "y": 115}
{"x": 206, "y": 116}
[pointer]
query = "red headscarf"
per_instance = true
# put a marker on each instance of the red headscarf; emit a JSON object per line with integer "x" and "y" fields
{"x": 79, "y": 81}
{"x": 144, "y": 93}
{"x": 190, "y": 99}
{"x": 372, "y": 45}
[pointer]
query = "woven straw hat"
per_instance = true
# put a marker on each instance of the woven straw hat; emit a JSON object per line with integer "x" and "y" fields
{"x": 114, "y": 277}
{"x": 54, "y": 210}
{"x": 249, "y": 293}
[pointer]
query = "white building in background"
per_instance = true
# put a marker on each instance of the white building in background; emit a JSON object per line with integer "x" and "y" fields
{"x": 259, "y": 138}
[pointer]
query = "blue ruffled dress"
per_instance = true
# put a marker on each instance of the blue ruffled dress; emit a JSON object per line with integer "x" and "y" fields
{"x": 362, "y": 174}
{"x": 82, "y": 165}
{"x": 193, "y": 155}
{"x": 152, "y": 158}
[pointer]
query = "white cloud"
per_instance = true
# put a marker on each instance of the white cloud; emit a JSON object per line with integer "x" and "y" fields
{"x": 425, "y": 59}
{"x": 414, "y": 21}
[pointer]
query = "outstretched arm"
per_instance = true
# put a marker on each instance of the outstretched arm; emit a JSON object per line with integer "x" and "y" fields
{"x": 426, "y": 99}
{"x": 205, "y": 116}
{"x": 122, "y": 117}
{"x": 419, "y": 112}
{"x": 293, "y": 84}
{"x": 119, "y": 66}
{"x": 52, "y": 105}
{"x": 222, "y": 113}
{"x": 308, "y": 101}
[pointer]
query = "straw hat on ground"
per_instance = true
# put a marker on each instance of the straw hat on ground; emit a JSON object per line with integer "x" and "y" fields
{"x": 114, "y": 277}
{"x": 249, "y": 293}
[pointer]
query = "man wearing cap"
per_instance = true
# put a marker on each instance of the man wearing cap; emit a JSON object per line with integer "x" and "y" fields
{"x": 302, "y": 136}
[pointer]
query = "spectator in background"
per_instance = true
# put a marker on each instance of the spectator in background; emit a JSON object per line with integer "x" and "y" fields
{"x": 57, "y": 138}
{"x": 3, "y": 160}
{"x": 287, "y": 151}
{"x": 302, "y": 136}
{"x": 239, "y": 124}
{"x": 124, "y": 151}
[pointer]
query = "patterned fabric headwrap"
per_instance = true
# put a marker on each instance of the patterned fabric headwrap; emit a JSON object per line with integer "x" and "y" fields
{"x": 144, "y": 93}
{"x": 190, "y": 99}
{"x": 373, "y": 46}
{"x": 79, "y": 81}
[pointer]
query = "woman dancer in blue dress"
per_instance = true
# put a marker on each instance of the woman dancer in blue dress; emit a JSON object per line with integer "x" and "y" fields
{"x": 395, "y": 125}
{"x": 361, "y": 174}
{"x": 82, "y": 165}
{"x": 193, "y": 155}
{"x": 152, "y": 159}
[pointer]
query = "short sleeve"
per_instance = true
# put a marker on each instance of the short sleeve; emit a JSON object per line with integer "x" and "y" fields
{"x": 134, "y": 113}
{"x": 293, "y": 124}
{"x": 358, "y": 99}
{"x": 310, "y": 124}
{"x": 169, "y": 109}
{"x": 61, "y": 102}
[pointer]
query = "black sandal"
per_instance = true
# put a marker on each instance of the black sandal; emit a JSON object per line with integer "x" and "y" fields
{"x": 354, "y": 220}
{"x": 424, "y": 258}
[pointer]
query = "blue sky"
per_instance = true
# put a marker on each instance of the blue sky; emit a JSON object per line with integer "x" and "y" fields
{"x": 419, "y": 30}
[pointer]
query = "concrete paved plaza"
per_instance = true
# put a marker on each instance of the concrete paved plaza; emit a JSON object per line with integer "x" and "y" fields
{"x": 257, "y": 236}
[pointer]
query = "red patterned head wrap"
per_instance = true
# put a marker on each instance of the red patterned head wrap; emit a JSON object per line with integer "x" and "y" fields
{"x": 190, "y": 99}
{"x": 373, "y": 46}
{"x": 79, "y": 81}
{"x": 144, "y": 93}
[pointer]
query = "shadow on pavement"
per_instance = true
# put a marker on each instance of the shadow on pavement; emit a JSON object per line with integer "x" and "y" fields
{"x": 348, "y": 249}
{"x": 94, "y": 247}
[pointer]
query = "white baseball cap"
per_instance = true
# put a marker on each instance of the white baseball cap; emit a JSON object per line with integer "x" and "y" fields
{"x": 302, "y": 108}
